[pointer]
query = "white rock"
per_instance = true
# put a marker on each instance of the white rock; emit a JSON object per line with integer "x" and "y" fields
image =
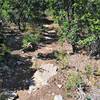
{"x": 59, "y": 85}
{"x": 17, "y": 99}
{"x": 47, "y": 37}
{"x": 31, "y": 88}
{"x": 14, "y": 94}
{"x": 11, "y": 98}
{"x": 52, "y": 31}
{"x": 41, "y": 77}
{"x": 58, "y": 97}
{"x": 46, "y": 26}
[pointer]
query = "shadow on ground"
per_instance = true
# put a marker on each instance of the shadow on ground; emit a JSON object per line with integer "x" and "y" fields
{"x": 16, "y": 72}
{"x": 12, "y": 38}
{"x": 42, "y": 20}
{"x": 48, "y": 56}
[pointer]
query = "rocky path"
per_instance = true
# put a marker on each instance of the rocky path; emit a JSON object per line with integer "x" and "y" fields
{"x": 56, "y": 82}
{"x": 47, "y": 68}
{"x": 47, "y": 83}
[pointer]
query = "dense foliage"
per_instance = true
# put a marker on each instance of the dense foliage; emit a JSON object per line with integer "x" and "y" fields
{"x": 31, "y": 39}
{"x": 79, "y": 22}
{"x": 21, "y": 11}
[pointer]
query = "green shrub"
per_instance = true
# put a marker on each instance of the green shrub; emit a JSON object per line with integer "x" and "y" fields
{"x": 62, "y": 59}
{"x": 74, "y": 80}
{"x": 87, "y": 41}
{"x": 78, "y": 20}
{"x": 31, "y": 39}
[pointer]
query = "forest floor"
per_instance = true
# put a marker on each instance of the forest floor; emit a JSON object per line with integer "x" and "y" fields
{"x": 25, "y": 68}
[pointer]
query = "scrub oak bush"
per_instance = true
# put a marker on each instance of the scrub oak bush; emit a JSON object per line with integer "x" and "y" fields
{"x": 79, "y": 22}
{"x": 31, "y": 39}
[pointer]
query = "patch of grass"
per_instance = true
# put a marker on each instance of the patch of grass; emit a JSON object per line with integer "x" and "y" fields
{"x": 62, "y": 59}
{"x": 89, "y": 70}
{"x": 69, "y": 95}
{"x": 74, "y": 80}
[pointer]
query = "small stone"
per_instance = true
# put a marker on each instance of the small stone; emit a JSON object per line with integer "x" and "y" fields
{"x": 31, "y": 88}
{"x": 53, "y": 94}
{"x": 58, "y": 97}
{"x": 52, "y": 31}
{"x": 17, "y": 99}
{"x": 22, "y": 51}
{"x": 11, "y": 98}
{"x": 14, "y": 94}
{"x": 46, "y": 26}
{"x": 33, "y": 59}
{"x": 19, "y": 62}
{"x": 59, "y": 85}
{"x": 47, "y": 37}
